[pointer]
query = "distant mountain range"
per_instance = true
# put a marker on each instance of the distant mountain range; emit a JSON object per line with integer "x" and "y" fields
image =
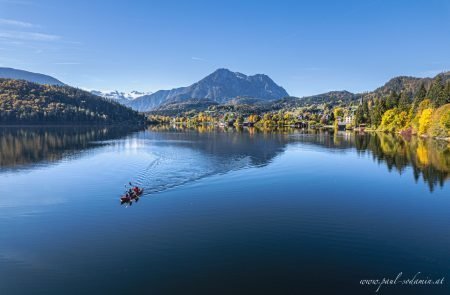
{"x": 226, "y": 88}
{"x": 257, "y": 105}
{"x": 120, "y": 97}
{"x": 9, "y": 73}
{"x": 221, "y": 86}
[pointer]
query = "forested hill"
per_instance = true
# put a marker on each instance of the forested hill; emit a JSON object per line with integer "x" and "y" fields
{"x": 23, "y": 102}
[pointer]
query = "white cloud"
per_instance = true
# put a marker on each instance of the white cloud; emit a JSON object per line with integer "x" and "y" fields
{"x": 28, "y": 36}
{"x": 16, "y": 23}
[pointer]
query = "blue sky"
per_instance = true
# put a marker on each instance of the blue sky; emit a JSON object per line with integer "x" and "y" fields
{"x": 308, "y": 47}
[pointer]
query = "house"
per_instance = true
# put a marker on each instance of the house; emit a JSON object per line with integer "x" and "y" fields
{"x": 348, "y": 119}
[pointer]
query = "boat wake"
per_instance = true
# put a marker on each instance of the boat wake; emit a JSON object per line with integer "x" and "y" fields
{"x": 169, "y": 171}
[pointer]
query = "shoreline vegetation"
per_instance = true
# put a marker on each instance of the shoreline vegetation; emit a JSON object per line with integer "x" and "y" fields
{"x": 413, "y": 109}
{"x": 426, "y": 123}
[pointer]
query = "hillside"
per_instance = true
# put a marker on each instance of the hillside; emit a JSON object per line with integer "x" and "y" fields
{"x": 332, "y": 97}
{"x": 9, "y": 73}
{"x": 23, "y": 102}
{"x": 405, "y": 83}
{"x": 221, "y": 86}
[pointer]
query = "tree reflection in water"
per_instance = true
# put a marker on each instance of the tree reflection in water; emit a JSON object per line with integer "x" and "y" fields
{"x": 227, "y": 148}
{"x": 24, "y": 146}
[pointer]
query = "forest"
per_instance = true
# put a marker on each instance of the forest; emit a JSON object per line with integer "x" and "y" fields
{"x": 23, "y": 102}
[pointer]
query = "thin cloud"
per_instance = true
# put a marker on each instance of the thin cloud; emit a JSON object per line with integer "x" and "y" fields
{"x": 17, "y": 23}
{"x": 18, "y": 2}
{"x": 198, "y": 58}
{"x": 28, "y": 36}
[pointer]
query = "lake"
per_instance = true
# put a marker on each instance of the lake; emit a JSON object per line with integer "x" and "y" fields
{"x": 224, "y": 211}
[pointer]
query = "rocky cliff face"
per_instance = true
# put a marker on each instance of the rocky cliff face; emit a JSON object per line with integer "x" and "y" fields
{"x": 221, "y": 86}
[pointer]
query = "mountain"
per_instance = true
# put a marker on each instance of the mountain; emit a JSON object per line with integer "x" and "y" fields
{"x": 121, "y": 97}
{"x": 160, "y": 104}
{"x": 179, "y": 107}
{"x": 405, "y": 83}
{"x": 23, "y": 102}
{"x": 402, "y": 83}
{"x": 221, "y": 86}
{"x": 249, "y": 105}
{"x": 9, "y": 73}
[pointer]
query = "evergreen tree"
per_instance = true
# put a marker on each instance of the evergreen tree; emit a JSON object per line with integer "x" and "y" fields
{"x": 447, "y": 92}
{"x": 419, "y": 97}
{"x": 436, "y": 91}
{"x": 377, "y": 112}
{"x": 366, "y": 112}
{"x": 392, "y": 100}
{"x": 359, "y": 115}
{"x": 403, "y": 103}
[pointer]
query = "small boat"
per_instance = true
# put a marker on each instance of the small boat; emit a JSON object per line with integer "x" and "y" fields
{"x": 130, "y": 197}
{"x": 139, "y": 192}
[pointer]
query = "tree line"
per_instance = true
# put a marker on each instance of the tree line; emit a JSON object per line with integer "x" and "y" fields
{"x": 425, "y": 112}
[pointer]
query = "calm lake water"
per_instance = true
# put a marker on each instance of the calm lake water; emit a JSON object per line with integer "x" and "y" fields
{"x": 224, "y": 212}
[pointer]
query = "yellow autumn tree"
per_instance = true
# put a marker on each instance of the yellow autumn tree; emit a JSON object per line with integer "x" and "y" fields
{"x": 440, "y": 122}
{"x": 425, "y": 104}
{"x": 338, "y": 114}
{"x": 394, "y": 120}
{"x": 424, "y": 121}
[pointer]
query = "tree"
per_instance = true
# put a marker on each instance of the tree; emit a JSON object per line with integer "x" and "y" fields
{"x": 419, "y": 97}
{"x": 424, "y": 121}
{"x": 440, "y": 122}
{"x": 338, "y": 112}
{"x": 239, "y": 120}
{"x": 403, "y": 103}
{"x": 366, "y": 111}
{"x": 377, "y": 112}
{"x": 392, "y": 100}
{"x": 424, "y": 104}
{"x": 359, "y": 115}
{"x": 436, "y": 92}
{"x": 394, "y": 120}
{"x": 447, "y": 92}
{"x": 253, "y": 118}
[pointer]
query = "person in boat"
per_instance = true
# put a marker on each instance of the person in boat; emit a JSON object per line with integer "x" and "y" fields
{"x": 136, "y": 190}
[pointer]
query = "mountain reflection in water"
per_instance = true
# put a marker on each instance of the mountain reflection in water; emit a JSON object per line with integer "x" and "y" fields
{"x": 183, "y": 155}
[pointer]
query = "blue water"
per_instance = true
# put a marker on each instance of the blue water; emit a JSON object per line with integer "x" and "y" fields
{"x": 224, "y": 212}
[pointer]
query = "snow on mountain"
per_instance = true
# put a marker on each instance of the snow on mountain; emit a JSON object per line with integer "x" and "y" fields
{"x": 121, "y": 97}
